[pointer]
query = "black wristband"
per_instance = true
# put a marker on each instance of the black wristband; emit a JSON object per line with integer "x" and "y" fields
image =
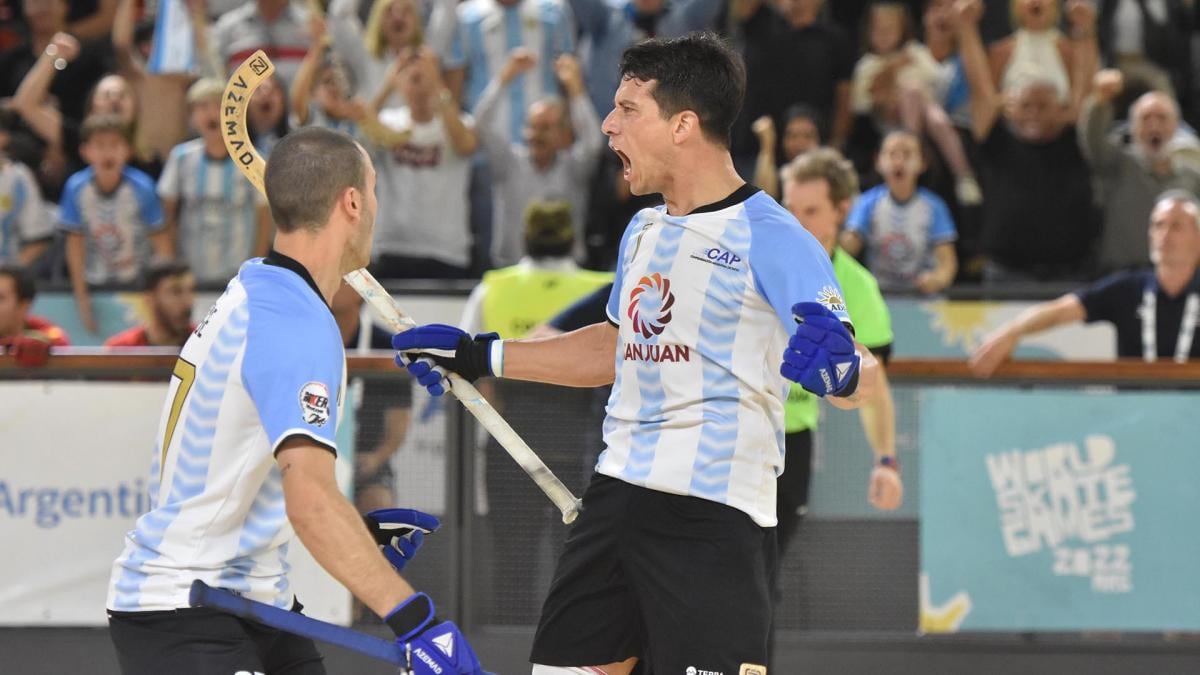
{"x": 412, "y": 618}
{"x": 472, "y": 358}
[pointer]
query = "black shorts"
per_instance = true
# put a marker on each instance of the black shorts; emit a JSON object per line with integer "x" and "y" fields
{"x": 679, "y": 582}
{"x": 204, "y": 641}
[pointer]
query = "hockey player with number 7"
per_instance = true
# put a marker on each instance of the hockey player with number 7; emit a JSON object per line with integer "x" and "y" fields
{"x": 721, "y": 298}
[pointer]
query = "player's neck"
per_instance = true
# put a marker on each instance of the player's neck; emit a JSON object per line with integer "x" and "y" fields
{"x": 688, "y": 190}
{"x": 318, "y": 255}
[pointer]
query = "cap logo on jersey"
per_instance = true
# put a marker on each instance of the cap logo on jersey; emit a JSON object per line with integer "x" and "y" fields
{"x": 832, "y": 299}
{"x": 314, "y": 403}
{"x": 650, "y": 304}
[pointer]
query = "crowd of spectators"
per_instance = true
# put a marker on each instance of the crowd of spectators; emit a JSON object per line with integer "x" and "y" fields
{"x": 1012, "y": 140}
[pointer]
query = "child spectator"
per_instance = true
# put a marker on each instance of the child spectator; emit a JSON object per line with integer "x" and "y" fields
{"x": 25, "y": 231}
{"x": 907, "y": 230}
{"x": 215, "y": 218}
{"x": 321, "y": 93}
{"x": 896, "y": 83}
{"x": 1037, "y": 50}
{"x": 267, "y": 115}
{"x": 110, "y": 214}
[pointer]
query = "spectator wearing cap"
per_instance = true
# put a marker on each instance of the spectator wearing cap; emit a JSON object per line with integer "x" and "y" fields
{"x": 1131, "y": 176}
{"x": 23, "y": 335}
{"x": 168, "y": 295}
{"x": 216, "y": 219}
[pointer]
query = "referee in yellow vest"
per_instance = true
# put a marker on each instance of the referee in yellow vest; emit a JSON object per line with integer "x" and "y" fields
{"x": 511, "y": 301}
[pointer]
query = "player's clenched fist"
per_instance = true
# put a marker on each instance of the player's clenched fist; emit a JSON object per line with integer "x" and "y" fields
{"x": 820, "y": 356}
{"x": 429, "y": 644}
{"x": 428, "y": 351}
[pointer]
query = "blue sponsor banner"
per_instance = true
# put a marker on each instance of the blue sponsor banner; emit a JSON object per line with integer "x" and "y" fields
{"x": 1059, "y": 511}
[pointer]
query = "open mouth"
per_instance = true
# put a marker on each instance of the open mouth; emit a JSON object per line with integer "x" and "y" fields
{"x": 625, "y": 163}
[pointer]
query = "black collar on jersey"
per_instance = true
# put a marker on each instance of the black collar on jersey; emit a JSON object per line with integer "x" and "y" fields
{"x": 739, "y": 195}
{"x": 278, "y": 259}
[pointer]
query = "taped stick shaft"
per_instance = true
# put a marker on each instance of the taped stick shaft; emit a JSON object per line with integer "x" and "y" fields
{"x": 203, "y": 595}
{"x": 385, "y": 308}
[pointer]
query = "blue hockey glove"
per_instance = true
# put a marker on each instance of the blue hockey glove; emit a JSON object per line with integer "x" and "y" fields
{"x": 400, "y": 532}
{"x": 448, "y": 348}
{"x": 820, "y": 356}
{"x": 432, "y": 647}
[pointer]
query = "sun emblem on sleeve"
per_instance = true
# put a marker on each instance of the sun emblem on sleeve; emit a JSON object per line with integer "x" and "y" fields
{"x": 832, "y": 299}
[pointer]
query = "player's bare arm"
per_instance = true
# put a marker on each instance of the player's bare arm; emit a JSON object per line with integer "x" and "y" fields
{"x": 581, "y": 358}
{"x": 332, "y": 529}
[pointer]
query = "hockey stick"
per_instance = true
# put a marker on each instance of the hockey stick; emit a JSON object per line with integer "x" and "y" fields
{"x": 203, "y": 595}
{"x": 236, "y": 97}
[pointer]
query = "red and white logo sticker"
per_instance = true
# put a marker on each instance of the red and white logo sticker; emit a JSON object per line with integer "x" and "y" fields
{"x": 314, "y": 403}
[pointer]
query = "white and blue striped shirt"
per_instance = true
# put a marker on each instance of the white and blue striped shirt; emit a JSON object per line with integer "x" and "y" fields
{"x": 218, "y": 210}
{"x": 488, "y": 31}
{"x": 243, "y": 384}
{"x": 703, "y": 304}
{"x": 22, "y": 215}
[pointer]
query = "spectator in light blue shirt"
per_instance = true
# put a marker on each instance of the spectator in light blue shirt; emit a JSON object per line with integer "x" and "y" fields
{"x": 906, "y": 230}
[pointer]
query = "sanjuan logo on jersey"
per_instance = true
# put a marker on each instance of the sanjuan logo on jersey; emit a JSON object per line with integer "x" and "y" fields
{"x": 650, "y": 304}
{"x": 314, "y": 403}
{"x": 832, "y": 299}
{"x": 715, "y": 255}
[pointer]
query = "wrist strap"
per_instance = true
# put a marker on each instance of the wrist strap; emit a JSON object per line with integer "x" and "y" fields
{"x": 890, "y": 461}
{"x": 411, "y": 617}
{"x": 497, "y": 358}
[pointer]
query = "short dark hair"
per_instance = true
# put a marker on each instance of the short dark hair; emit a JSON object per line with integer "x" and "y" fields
{"x": 160, "y": 270}
{"x": 548, "y": 230}
{"x": 308, "y": 169}
{"x": 22, "y": 280}
{"x": 698, "y": 72}
{"x": 105, "y": 123}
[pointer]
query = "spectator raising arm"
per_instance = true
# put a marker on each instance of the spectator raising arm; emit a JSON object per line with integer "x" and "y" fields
{"x": 498, "y": 147}
{"x": 302, "y": 87}
{"x": 585, "y": 123}
{"x": 766, "y": 174}
{"x": 31, "y": 99}
{"x": 1096, "y": 119}
{"x": 986, "y": 101}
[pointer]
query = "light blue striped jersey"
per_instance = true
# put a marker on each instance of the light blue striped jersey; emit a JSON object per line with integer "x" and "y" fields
{"x": 703, "y": 304}
{"x": 488, "y": 31}
{"x": 22, "y": 215}
{"x": 218, "y": 210}
{"x": 900, "y": 236}
{"x": 116, "y": 225}
{"x": 264, "y": 365}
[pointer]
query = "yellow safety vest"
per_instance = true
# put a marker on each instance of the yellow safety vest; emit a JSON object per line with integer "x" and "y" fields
{"x": 521, "y": 297}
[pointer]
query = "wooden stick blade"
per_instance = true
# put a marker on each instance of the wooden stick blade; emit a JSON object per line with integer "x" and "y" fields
{"x": 234, "y": 129}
